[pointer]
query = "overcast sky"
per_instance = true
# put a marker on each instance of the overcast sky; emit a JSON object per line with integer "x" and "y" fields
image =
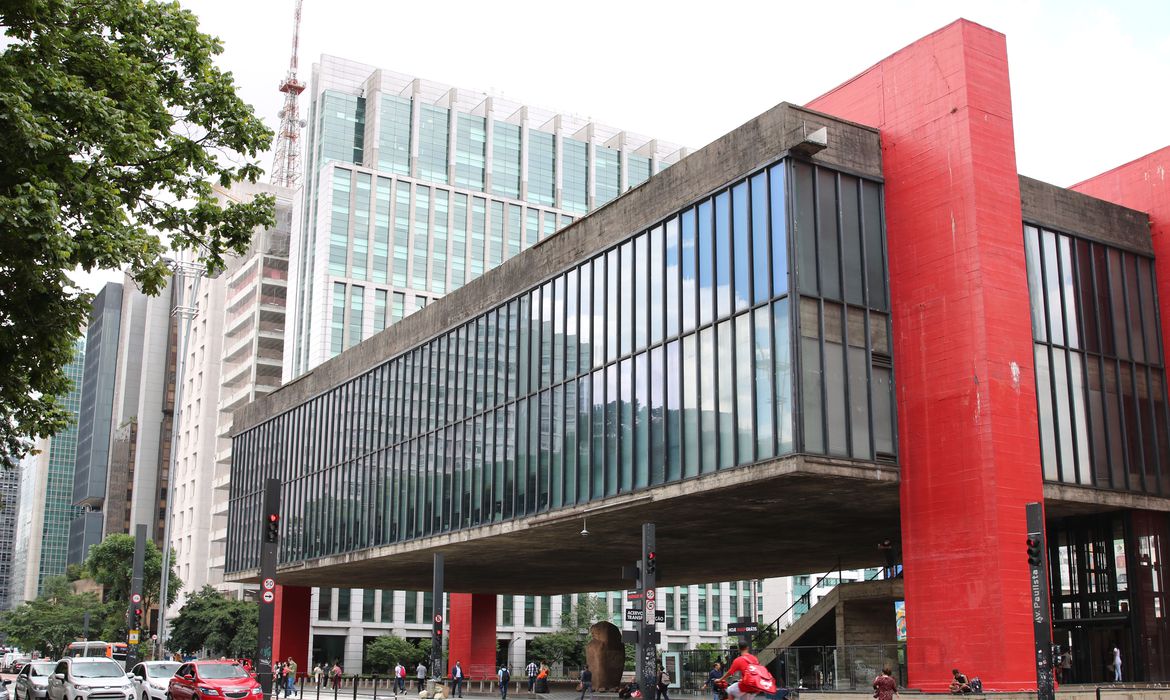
{"x": 1089, "y": 80}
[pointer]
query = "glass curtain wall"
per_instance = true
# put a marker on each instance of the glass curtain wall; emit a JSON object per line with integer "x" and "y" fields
{"x": 665, "y": 357}
{"x": 1100, "y": 377}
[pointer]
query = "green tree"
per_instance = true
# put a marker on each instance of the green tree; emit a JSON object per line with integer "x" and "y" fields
{"x": 223, "y": 626}
{"x": 567, "y": 643}
{"x": 114, "y": 125}
{"x": 385, "y": 651}
{"x": 110, "y": 563}
{"x": 562, "y": 645}
{"x": 49, "y": 623}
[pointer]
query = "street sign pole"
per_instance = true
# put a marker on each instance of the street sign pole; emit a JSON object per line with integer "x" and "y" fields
{"x": 646, "y": 659}
{"x": 437, "y": 627}
{"x": 269, "y": 548}
{"x": 136, "y": 611}
{"x": 1041, "y": 608}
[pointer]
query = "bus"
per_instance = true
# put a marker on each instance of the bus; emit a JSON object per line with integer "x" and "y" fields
{"x": 110, "y": 650}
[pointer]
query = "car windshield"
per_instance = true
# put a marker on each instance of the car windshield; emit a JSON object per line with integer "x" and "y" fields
{"x": 41, "y": 668}
{"x": 162, "y": 669}
{"x": 97, "y": 669}
{"x": 222, "y": 671}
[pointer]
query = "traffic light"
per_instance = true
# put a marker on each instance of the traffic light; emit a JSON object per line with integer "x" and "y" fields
{"x": 651, "y": 563}
{"x": 1034, "y": 551}
{"x": 438, "y": 628}
{"x": 271, "y": 528}
{"x": 135, "y": 617}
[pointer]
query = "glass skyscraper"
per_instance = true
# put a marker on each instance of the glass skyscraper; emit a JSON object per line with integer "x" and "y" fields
{"x": 46, "y": 510}
{"x": 414, "y": 189}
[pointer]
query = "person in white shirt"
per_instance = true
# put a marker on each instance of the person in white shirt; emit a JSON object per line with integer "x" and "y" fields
{"x": 457, "y": 678}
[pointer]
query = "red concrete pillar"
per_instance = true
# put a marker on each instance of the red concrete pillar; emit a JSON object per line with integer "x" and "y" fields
{"x": 1144, "y": 185}
{"x": 290, "y": 630}
{"x": 968, "y": 435}
{"x": 472, "y": 634}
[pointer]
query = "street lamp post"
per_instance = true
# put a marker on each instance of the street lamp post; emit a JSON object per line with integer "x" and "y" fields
{"x": 184, "y": 311}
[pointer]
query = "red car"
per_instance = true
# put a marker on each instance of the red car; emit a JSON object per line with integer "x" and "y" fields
{"x": 212, "y": 680}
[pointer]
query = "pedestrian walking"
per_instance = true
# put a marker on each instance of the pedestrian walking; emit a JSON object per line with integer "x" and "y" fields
{"x": 290, "y": 678}
{"x": 318, "y": 675}
{"x": 1066, "y": 664}
{"x": 884, "y": 686}
{"x": 663, "y": 683}
{"x": 713, "y": 675}
{"x": 421, "y": 672}
{"x": 335, "y": 675}
{"x": 585, "y": 685}
{"x": 399, "y": 678}
{"x": 1116, "y": 665}
{"x": 504, "y": 675}
{"x": 531, "y": 669}
{"x": 457, "y": 680}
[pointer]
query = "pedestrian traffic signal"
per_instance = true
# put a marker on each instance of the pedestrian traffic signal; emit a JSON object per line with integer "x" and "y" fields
{"x": 1034, "y": 552}
{"x": 272, "y": 528}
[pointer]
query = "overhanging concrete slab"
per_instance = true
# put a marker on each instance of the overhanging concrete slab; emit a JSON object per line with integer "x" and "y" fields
{"x": 787, "y": 516}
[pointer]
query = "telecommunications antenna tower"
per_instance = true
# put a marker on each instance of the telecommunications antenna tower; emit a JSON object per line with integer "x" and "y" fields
{"x": 286, "y": 167}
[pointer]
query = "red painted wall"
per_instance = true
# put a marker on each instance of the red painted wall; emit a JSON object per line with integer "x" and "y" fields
{"x": 962, "y": 350}
{"x": 1144, "y": 185}
{"x": 290, "y": 630}
{"x": 472, "y": 636}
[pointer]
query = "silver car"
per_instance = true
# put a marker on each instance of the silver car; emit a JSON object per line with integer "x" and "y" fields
{"x": 89, "y": 679}
{"x": 32, "y": 683}
{"x": 151, "y": 678}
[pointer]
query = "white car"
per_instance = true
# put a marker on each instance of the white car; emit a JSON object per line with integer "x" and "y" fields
{"x": 84, "y": 678}
{"x": 151, "y": 678}
{"x": 33, "y": 681}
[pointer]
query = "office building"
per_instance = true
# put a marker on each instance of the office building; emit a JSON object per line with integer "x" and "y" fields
{"x": 46, "y": 498}
{"x": 9, "y": 509}
{"x": 414, "y": 188}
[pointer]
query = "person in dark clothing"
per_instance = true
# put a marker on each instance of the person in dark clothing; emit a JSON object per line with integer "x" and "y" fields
{"x": 713, "y": 675}
{"x": 663, "y": 683}
{"x": 959, "y": 683}
{"x": 586, "y": 683}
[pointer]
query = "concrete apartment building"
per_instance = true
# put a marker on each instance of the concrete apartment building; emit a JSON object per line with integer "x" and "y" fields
{"x": 233, "y": 356}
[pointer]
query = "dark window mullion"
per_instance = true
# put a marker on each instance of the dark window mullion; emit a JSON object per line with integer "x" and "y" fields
{"x": 797, "y": 355}
{"x": 1048, "y": 349}
{"x": 1065, "y": 326}
{"x": 1128, "y": 363}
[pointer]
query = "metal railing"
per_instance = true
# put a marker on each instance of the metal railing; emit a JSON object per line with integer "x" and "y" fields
{"x": 835, "y": 668}
{"x": 770, "y": 632}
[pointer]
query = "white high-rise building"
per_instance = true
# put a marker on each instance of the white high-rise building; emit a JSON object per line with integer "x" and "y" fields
{"x": 233, "y": 356}
{"x": 413, "y": 189}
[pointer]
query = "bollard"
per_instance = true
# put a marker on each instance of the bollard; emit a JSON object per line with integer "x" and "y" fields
{"x": 375, "y": 686}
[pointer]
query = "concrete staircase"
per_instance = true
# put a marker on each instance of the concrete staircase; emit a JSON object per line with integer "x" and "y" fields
{"x": 857, "y": 613}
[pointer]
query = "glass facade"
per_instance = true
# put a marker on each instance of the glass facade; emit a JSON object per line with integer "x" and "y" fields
{"x": 601, "y": 380}
{"x": 444, "y": 151}
{"x": 1100, "y": 378}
